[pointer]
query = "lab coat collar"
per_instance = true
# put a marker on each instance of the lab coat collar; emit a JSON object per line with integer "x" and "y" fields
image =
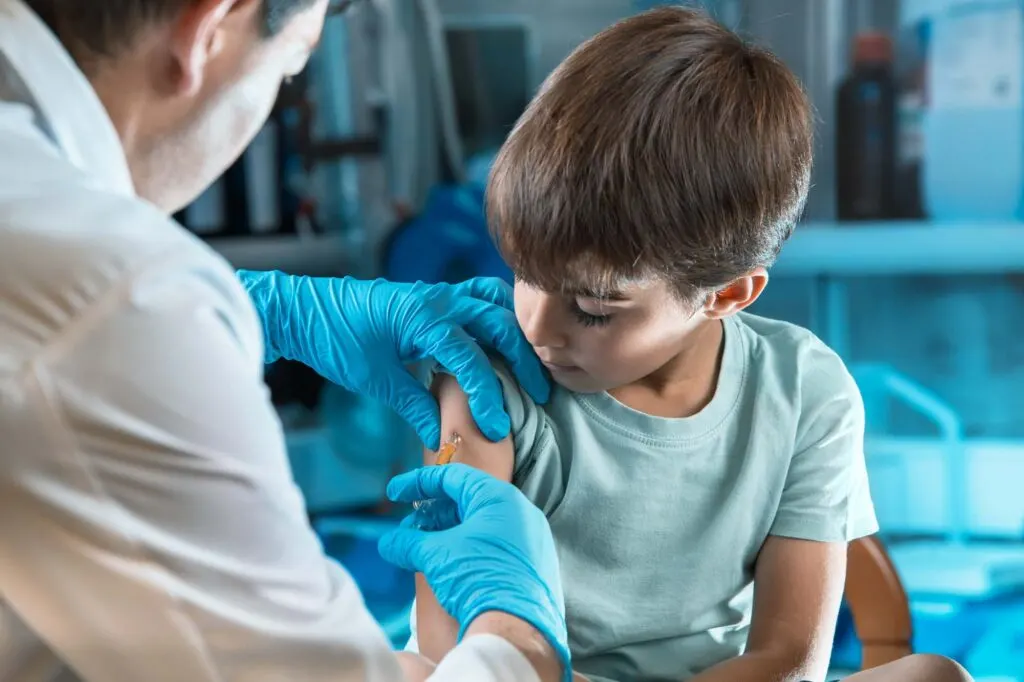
{"x": 71, "y": 111}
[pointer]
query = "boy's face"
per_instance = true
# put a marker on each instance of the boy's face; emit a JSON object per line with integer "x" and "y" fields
{"x": 591, "y": 345}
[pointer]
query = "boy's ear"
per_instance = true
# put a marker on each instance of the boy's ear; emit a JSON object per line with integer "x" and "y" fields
{"x": 737, "y": 295}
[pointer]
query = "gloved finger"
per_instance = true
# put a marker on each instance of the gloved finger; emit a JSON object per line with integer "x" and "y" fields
{"x": 454, "y": 483}
{"x": 405, "y": 548}
{"x": 458, "y": 353}
{"x": 413, "y": 402}
{"x": 497, "y": 328}
{"x": 492, "y": 289}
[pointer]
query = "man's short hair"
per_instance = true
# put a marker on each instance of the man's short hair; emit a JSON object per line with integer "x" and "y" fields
{"x": 96, "y": 29}
{"x": 665, "y": 146}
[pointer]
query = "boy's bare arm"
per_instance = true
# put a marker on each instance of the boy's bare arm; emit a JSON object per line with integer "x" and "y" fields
{"x": 798, "y": 586}
{"x": 436, "y": 631}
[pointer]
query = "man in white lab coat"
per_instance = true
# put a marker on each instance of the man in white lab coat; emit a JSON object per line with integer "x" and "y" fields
{"x": 149, "y": 527}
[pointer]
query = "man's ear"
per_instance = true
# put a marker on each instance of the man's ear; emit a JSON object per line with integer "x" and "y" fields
{"x": 737, "y": 295}
{"x": 201, "y": 32}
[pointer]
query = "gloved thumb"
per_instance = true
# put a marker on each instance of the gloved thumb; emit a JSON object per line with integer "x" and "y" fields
{"x": 413, "y": 402}
{"x": 449, "y": 482}
{"x": 406, "y": 548}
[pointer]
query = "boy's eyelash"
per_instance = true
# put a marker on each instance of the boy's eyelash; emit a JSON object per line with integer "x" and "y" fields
{"x": 588, "y": 320}
{"x": 584, "y": 318}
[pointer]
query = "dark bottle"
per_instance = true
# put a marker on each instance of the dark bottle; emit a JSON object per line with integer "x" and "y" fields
{"x": 866, "y": 133}
{"x": 911, "y": 69}
{"x": 236, "y": 200}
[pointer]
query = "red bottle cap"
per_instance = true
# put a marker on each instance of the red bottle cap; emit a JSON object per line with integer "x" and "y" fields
{"x": 872, "y": 47}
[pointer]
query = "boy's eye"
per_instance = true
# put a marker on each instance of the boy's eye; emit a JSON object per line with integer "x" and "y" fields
{"x": 589, "y": 319}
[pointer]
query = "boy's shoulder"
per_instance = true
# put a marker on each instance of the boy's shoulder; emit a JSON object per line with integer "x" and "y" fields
{"x": 796, "y": 360}
{"x": 786, "y": 342}
{"x": 779, "y": 333}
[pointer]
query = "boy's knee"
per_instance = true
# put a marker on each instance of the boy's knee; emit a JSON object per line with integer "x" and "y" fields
{"x": 917, "y": 668}
{"x": 938, "y": 669}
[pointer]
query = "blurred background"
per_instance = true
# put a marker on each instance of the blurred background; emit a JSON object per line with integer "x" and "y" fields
{"x": 910, "y": 260}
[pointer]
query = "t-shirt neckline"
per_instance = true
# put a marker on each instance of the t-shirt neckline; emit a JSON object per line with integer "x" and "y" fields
{"x": 642, "y": 426}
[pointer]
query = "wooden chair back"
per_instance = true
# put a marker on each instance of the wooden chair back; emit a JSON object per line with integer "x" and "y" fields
{"x": 878, "y": 602}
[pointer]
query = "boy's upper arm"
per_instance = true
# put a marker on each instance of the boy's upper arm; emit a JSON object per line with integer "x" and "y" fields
{"x": 497, "y": 459}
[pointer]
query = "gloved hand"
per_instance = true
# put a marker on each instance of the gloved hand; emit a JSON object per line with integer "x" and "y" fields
{"x": 500, "y": 557}
{"x": 359, "y": 333}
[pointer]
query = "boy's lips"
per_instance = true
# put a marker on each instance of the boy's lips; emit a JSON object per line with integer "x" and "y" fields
{"x": 558, "y": 367}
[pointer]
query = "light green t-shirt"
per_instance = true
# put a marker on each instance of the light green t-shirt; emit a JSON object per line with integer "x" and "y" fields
{"x": 658, "y": 522}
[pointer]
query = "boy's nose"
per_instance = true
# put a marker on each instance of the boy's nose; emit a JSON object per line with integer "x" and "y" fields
{"x": 542, "y": 329}
{"x": 547, "y": 341}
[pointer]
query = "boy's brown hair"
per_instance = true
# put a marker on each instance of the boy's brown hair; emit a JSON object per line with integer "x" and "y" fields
{"x": 666, "y": 145}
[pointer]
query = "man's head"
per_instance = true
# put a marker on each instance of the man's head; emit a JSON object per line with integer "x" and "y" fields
{"x": 187, "y": 83}
{"x": 646, "y": 189}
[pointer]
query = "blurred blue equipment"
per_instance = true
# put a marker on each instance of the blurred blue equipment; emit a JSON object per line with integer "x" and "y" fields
{"x": 447, "y": 242}
{"x": 387, "y": 589}
{"x": 966, "y": 592}
{"x": 1000, "y": 652}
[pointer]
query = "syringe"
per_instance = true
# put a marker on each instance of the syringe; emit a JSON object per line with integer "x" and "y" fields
{"x": 444, "y": 456}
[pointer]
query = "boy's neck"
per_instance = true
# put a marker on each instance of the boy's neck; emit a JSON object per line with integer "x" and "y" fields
{"x": 686, "y": 384}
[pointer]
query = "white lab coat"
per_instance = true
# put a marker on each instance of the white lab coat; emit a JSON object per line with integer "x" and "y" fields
{"x": 150, "y": 530}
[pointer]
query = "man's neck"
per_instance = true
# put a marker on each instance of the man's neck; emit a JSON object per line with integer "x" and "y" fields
{"x": 117, "y": 89}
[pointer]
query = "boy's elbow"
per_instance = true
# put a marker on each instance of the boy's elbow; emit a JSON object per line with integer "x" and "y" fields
{"x": 794, "y": 660}
{"x": 794, "y": 663}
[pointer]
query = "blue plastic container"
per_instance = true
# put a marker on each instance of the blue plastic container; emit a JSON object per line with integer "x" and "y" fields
{"x": 447, "y": 242}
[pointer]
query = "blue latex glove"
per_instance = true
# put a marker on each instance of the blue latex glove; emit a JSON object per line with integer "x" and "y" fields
{"x": 501, "y": 557}
{"x": 359, "y": 334}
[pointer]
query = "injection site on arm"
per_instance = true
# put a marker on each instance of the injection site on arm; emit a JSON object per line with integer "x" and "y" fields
{"x": 436, "y": 632}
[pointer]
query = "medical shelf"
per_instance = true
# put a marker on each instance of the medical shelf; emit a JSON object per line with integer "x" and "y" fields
{"x": 328, "y": 149}
{"x": 830, "y": 253}
{"x": 821, "y": 250}
{"x": 320, "y": 254}
{"x": 902, "y": 248}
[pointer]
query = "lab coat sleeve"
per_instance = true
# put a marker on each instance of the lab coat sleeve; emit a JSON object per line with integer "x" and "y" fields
{"x": 149, "y": 525}
{"x": 485, "y": 658}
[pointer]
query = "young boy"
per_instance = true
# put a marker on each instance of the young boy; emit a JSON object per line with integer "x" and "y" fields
{"x": 702, "y": 468}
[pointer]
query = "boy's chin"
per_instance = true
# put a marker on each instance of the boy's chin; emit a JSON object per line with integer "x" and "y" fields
{"x": 578, "y": 382}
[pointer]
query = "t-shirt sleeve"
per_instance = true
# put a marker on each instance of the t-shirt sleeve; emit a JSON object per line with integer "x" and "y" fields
{"x": 526, "y": 417}
{"x": 826, "y": 497}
